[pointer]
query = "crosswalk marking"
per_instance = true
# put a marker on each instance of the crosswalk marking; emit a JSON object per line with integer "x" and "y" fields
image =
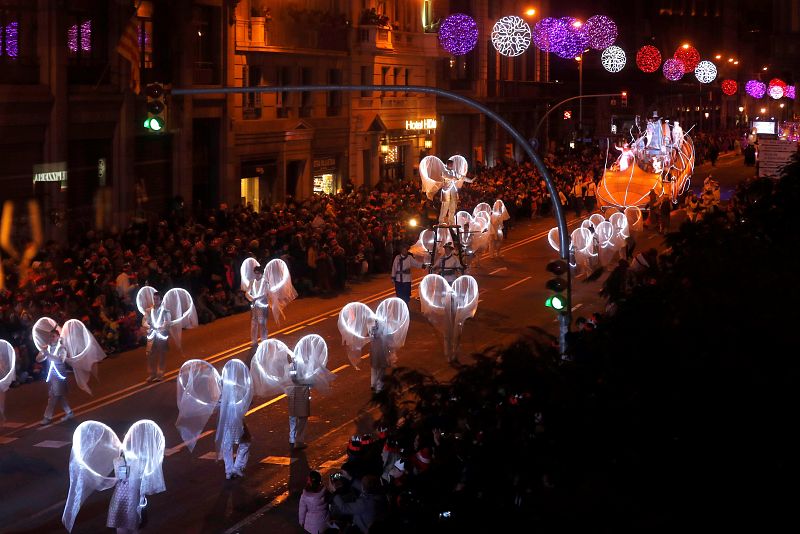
{"x": 52, "y": 444}
{"x": 278, "y": 460}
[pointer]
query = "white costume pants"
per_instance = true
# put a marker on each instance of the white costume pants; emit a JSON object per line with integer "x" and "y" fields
{"x": 156, "y": 357}
{"x": 51, "y": 405}
{"x": 297, "y": 429}
{"x": 242, "y": 454}
{"x": 258, "y": 324}
{"x": 376, "y": 375}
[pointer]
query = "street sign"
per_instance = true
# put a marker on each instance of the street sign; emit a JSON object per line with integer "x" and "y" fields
{"x": 773, "y": 155}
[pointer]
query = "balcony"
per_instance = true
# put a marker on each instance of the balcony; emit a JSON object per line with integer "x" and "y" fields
{"x": 256, "y": 34}
{"x": 375, "y": 37}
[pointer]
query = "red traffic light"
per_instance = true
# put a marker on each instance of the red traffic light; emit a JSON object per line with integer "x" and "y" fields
{"x": 154, "y": 90}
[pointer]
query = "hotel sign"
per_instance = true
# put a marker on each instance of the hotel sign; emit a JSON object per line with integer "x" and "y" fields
{"x": 51, "y": 172}
{"x": 421, "y": 124}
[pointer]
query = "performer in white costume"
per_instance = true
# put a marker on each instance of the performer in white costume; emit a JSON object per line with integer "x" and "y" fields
{"x": 8, "y": 359}
{"x": 499, "y": 215}
{"x": 449, "y": 266}
{"x": 275, "y": 368}
{"x": 385, "y": 330}
{"x": 401, "y": 273}
{"x": 163, "y": 319}
{"x": 266, "y": 287}
{"x": 449, "y": 178}
{"x": 133, "y": 467}
{"x": 626, "y": 158}
{"x": 447, "y": 306}
{"x": 201, "y": 390}
{"x": 71, "y": 345}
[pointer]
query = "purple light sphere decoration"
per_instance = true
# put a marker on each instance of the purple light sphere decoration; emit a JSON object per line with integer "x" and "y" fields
{"x": 542, "y": 32}
{"x": 458, "y": 34}
{"x": 755, "y": 88}
{"x": 572, "y": 37}
{"x": 673, "y": 69}
{"x": 789, "y": 92}
{"x": 602, "y": 31}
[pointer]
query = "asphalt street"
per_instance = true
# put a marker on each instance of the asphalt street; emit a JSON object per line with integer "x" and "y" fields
{"x": 34, "y": 460}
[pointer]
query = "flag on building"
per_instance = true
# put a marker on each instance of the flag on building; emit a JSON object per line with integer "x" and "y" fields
{"x": 128, "y": 47}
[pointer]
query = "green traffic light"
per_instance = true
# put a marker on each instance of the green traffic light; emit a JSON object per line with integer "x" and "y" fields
{"x": 557, "y": 302}
{"x": 155, "y": 124}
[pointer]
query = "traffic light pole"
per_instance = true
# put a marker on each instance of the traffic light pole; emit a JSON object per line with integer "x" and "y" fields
{"x": 558, "y": 211}
{"x": 570, "y": 99}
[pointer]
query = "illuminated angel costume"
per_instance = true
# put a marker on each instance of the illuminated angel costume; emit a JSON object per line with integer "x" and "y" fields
{"x": 133, "y": 467}
{"x": 474, "y": 232}
{"x": 201, "y": 390}
{"x": 625, "y": 159}
{"x": 430, "y": 244}
{"x": 436, "y": 176}
{"x": 275, "y": 368}
{"x": 175, "y": 313}
{"x": 499, "y": 215}
{"x": 7, "y": 372}
{"x": 385, "y": 330}
{"x": 273, "y": 289}
{"x": 448, "y": 306}
{"x": 73, "y": 345}
{"x": 449, "y": 266}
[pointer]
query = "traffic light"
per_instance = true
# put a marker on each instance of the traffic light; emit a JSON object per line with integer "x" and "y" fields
{"x": 559, "y": 300}
{"x": 624, "y": 99}
{"x": 156, "y": 120}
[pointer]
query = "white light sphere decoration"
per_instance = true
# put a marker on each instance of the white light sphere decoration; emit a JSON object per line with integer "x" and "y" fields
{"x": 776, "y": 92}
{"x": 511, "y": 36}
{"x": 613, "y": 58}
{"x": 705, "y": 72}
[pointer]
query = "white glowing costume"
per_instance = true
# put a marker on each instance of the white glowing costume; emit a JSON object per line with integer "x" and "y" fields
{"x": 201, "y": 389}
{"x": 7, "y": 372}
{"x": 133, "y": 467}
{"x": 677, "y": 134}
{"x": 424, "y": 249}
{"x": 625, "y": 159}
{"x": 448, "y": 306}
{"x": 275, "y": 368}
{"x": 385, "y": 330}
{"x": 436, "y": 176}
{"x": 474, "y": 232}
{"x": 75, "y": 347}
{"x": 274, "y": 290}
{"x": 175, "y": 313}
{"x": 499, "y": 215}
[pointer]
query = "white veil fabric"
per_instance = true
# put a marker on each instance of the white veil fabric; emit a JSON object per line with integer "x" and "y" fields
{"x": 180, "y": 305}
{"x": 311, "y": 357}
{"x": 634, "y": 216}
{"x": 478, "y": 238}
{"x": 356, "y": 320}
{"x": 83, "y": 350}
{"x": 95, "y": 446}
{"x": 448, "y": 307}
{"x": 199, "y": 390}
{"x": 434, "y": 173}
{"x": 422, "y": 249}
{"x": 269, "y": 368}
{"x": 606, "y": 247}
{"x": 481, "y": 207}
{"x": 499, "y": 213}
{"x": 237, "y": 394}
{"x": 7, "y": 372}
{"x": 279, "y": 281}
{"x": 583, "y": 247}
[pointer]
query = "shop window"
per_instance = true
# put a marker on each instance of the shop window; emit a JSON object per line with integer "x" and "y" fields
{"x": 324, "y": 184}
{"x": 251, "y": 192}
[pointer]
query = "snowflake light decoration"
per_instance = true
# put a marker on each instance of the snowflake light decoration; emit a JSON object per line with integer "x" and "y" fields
{"x": 689, "y": 56}
{"x": 511, "y": 36}
{"x": 673, "y": 69}
{"x": 705, "y": 72}
{"x": 776, "y": 92}
{"x": 602, "y": 32}
{"x": 789, "y": 92}
{"x": 729, "y": 87}
{"x": 613, "y": 59}
{"x": 458, "y": 34}
{"x": 755, "y": 88}
{"x": 648, "y": 58}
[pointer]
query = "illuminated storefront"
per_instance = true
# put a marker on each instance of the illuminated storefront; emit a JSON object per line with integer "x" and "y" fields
{"x": 324, "y": 171}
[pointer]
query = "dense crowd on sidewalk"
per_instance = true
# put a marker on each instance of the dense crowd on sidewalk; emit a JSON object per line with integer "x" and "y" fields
{"x": 327, "y": 241}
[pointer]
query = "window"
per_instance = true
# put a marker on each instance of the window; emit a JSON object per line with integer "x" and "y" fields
{"x": 407, "y": 79}
{"x": 87, "y": 48}
{"x": 334, "y": 106}
{"x": 79, "y": 38}
{"x": 144, "y": 33}
{"x": 207, "y": 44}
{"x": 283, "y": 101}
{"x": 384, "y": 75}
{"x": 9, "y": 36}
{"x": 396, "y": 78}
{"x": 306, "y": 101}
{"x": 251, "y": 102}
{"x": 366, "y": 79}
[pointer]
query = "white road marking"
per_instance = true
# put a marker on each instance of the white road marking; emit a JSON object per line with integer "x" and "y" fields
{"x": 518, "y": 282}
{"x": 498, "y": 270}
{"x": 11, "y": 424}
{"x": 293, "y": 330}
{"x": 577, "y": 306}
{"x": 317, "y": 321}
{"x": 3, "y": 440}
{"x": 52, "y": 444}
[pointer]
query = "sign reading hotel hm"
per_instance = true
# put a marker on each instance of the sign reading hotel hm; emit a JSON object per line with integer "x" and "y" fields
{"x": 421, "y": 124}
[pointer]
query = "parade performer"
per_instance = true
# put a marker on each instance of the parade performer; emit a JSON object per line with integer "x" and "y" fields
{"x": 133, "y": 467}
{"x": 626, "y": 158}
{"x": 163, "y": 319}
{"x": 71, "y": 345}
{"x": 7, "y": 372}
{"x": 449, "y": 266}
{"x": 295, "y": 372}
{"x": 499, "y": 215}
{"x": 201, "y": 390}
{"x": 401, "y": 273}
{"x": 447, "y": 306}
{"x": 449, "y": 178}
{"x": 266, "y": 287}
{"x": 385, "y": 330}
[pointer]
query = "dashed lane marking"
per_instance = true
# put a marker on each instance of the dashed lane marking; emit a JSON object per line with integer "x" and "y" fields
{"x": 518, "y": 282}
{"x": 577, "y": 306}
{"x": 334, "y": 464}
{"x": 52, "y": 444}
{"x": 293, "y": 330}
{"x": 498, "y": 270}
{"x": 278, "y": 460}
{"x": 4, "y": 441}
{"x": 317, "y": 321}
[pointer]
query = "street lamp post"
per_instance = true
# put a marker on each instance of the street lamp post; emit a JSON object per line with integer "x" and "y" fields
{"x": 580, "y": 93}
